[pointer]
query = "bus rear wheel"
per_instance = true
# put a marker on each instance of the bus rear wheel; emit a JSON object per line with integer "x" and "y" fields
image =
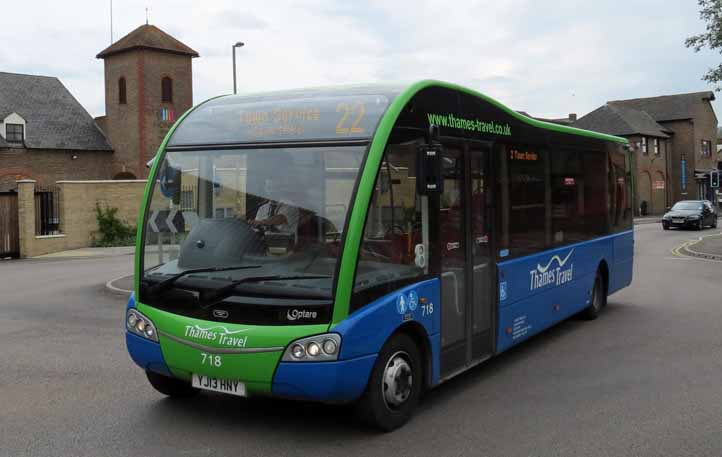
{"x": 172, "y": 387}
{"x": 599, "y": 299}
{"x": 395, "y": 385}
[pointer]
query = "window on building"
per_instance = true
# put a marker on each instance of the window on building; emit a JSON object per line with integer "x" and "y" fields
{"x": 14, "y": 133}
{"x": 656, "y": 146}
{"x": 706, "y": 148}
{"x": 166, "y": 90}
{"x": 644, "y": 145}
{"x": 122, "y": 97}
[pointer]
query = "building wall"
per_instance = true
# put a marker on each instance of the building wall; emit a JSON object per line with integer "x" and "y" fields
{"x": 705, "y": 128}
{"x": 682, "y": 142}
{"x": 49, "y": 165}
{"x": 77, "y": 203}
{"x": 687, "y": 143}
{"x": 121, "y": 124}
{"x": 651, "y": 173}
{"x": 135, "y": 129}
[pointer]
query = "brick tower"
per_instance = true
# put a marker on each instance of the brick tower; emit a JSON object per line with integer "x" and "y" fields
{"x": 148, "y": 85}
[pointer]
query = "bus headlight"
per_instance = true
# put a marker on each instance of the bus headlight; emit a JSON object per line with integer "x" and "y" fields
{"x": 137, "y": 323}
{"x": 319, "y": 348}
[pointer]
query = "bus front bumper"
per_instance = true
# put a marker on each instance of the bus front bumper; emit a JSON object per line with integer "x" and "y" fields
{"x": 342, "y": 381}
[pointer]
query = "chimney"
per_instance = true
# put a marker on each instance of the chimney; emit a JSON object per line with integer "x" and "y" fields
{"x": 572, "y": 117}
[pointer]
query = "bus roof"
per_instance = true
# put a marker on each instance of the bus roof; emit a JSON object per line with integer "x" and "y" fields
{"x": 341, "y": 113}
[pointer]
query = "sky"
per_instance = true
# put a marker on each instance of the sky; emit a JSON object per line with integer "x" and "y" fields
{"x": 546, "y": 58}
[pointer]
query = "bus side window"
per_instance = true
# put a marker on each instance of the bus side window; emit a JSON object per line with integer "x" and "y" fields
{"x": 393, "y": 225}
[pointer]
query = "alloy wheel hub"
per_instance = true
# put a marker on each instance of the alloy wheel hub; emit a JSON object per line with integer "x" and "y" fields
{"x": 397, "y": 380}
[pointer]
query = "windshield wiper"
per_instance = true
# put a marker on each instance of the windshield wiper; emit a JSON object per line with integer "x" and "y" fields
{"x": 163, "y": 285}
{"x": 223, "y": 292}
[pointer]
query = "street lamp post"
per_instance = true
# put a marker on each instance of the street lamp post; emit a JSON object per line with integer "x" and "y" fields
{"x": 233, "y": 48}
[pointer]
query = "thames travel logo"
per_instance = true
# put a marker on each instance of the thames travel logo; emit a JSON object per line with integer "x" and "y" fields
{"x": 218, "y": 334}
{"x": 549, "y": 274}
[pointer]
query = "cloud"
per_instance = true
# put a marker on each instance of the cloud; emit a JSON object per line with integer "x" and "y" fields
{"x": 238, "y": 20}
{"x": 546, "y": 60}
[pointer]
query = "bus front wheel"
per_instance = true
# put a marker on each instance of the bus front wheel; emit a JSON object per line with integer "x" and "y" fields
{"x": 599, "y": 298}
{"x": 172, "y": 387}
{"x": 395, "y": 384}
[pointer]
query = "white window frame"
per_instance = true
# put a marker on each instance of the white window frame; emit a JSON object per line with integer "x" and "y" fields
{"x": 655, "y": 144}
{"x": 645, "y": 151}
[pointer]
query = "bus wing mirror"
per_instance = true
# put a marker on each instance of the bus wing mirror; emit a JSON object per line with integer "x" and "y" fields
{"x": 428, "y": 170}
{"x": 170, "y": 182}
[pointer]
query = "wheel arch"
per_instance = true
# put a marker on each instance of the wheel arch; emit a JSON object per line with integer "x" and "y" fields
{"x": 603, "y": 268}
{"x": 418, "y": 334}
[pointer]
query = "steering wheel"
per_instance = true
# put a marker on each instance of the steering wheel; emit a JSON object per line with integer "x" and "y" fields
{"x": 395, "y": 230}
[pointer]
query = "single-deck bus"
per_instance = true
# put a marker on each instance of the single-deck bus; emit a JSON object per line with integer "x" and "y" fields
{"x": 362, "y": 244}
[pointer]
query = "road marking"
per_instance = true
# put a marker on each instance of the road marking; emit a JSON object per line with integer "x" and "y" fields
{"x": 109, "y": 285}
{"x": 686, "y": 245}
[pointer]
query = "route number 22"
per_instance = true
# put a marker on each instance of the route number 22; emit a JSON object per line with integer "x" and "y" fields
{"x": 350, "y": 112}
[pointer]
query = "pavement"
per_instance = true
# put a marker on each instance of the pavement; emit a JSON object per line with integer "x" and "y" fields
{"x": 647, "y": 220}
{"x": 642, "y": 380}
{"x": 89, "y": 252}
{"x": 706, "y": 247}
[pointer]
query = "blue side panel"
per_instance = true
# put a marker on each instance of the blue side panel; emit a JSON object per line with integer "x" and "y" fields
{"x": 338, "y": 382}
{"x": 537, "y": 291}
{"x": 363, "y": 334}
{"x": 145, "y": 353}
{"x": 621, "y": 273}
{"x": 365, "y": 331}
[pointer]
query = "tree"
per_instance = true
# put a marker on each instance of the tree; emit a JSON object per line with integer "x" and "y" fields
{"x": 711, "y": 13}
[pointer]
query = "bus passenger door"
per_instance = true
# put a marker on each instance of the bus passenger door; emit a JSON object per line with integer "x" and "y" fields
{"x": 481, "y": 265}
{"x": 466, "y": 267}
{"x": 452, "y": 246}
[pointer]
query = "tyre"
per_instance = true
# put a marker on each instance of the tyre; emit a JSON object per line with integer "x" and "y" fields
{"x": 699, "y": 225}
{"x": 665, "y": 226}
{"x": 599, "y": 299}
{"x": 394, "y": 386}
{"x": 714, "y": 222}
{"x": 172, "y": 387}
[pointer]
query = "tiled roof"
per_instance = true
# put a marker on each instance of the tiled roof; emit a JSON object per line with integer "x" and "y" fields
{"x": 54, "y": 118}
{"x": 620, "y": 120}
{"x": 668, "y": 107}
{"x": 147, "y": 37}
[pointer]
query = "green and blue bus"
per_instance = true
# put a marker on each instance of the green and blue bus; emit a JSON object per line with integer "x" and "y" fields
{"x": 363, "y": 244}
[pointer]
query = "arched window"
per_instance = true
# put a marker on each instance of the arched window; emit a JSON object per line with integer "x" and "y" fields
{"x": 166, "y": 86}
{"x": 121, "y": 92}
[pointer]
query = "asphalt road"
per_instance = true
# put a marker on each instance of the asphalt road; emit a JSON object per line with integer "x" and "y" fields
{"x": 645, "y": 379}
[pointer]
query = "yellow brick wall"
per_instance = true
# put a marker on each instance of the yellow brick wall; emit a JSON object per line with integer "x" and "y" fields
{"x": 77, "y": 201}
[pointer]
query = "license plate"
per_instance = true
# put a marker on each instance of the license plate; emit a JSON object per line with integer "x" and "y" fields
{"x": 678, "y": 221}
{"x": 226, "y": 386}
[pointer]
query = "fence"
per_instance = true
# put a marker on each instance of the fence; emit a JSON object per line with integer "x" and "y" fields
{"x": 47, "y": 211}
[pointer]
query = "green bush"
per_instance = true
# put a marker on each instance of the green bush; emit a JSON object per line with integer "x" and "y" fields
{"x": 112, "y": 231}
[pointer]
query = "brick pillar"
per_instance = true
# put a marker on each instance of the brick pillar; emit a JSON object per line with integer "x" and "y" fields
{"x": 26, "y": 216}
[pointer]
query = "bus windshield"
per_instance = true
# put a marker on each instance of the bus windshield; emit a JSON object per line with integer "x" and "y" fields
{"x": 227, "y": 219}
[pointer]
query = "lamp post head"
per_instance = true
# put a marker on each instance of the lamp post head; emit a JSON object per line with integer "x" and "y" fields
{"x": 239, "y": 44}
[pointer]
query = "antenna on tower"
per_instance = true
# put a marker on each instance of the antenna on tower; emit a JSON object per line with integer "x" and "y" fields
{"x": 146, "y": 15}
{"x": 111, "y": 21}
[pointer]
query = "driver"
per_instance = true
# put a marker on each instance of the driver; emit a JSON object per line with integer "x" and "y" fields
{"x": 277, "y": 212}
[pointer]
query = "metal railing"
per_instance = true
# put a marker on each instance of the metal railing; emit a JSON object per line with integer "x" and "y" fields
{"x": 47, "y": 210}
